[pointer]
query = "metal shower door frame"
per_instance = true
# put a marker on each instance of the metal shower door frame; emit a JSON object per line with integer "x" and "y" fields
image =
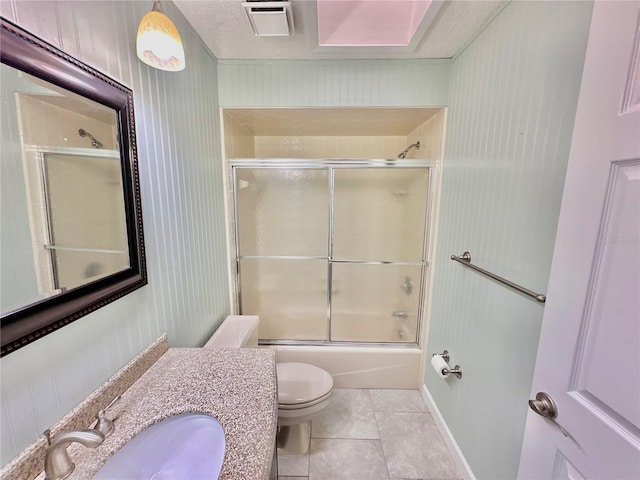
{"x": 42, "y": 152}
{"x": 331, "y": 165}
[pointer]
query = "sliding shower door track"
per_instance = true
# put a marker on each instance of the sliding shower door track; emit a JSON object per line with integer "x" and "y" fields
{"x": 380, "y": 262}
{"x": 335, "y": 343}
{"x": 328, "y": 162}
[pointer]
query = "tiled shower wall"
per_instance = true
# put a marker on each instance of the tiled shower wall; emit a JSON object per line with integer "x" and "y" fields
{"x": 238, "y": 140}
{"x": 329, "y": 147}
{"x": 430, "y": 134}
{"x": 182, "y": 201}
{"x": 512, "y": 104}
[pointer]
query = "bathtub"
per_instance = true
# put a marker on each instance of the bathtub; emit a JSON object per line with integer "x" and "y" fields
{"x": 360, "y": 366}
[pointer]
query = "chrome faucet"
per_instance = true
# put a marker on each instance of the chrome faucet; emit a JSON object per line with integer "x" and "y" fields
{"x": 57, "y": 462}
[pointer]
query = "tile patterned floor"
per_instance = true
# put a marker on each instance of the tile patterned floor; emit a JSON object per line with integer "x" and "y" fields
{"x": 368, "y": 434}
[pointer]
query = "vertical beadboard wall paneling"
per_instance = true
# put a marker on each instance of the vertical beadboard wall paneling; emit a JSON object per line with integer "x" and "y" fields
{"x": 182, "y": 201}
{"x": 512, "y": 102}
{"x": 324, "y": 83}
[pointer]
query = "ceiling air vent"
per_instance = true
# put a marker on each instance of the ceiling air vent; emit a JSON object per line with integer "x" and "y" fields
{"x": 269, "y": 19}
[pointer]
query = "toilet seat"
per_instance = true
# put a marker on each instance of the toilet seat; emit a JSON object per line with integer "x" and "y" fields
{"x": 300, "y": 406}
{"x": 301, "y": 385}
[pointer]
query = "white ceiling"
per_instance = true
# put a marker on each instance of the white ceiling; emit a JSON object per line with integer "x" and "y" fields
{"x": 224, "y": 27}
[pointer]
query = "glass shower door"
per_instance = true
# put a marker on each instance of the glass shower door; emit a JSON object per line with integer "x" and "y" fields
{"x": 85, "y": 217}
{"x": 330, "y": 253}
{"x": 375, "y": 303}
{"x": 378, "y": 253}
{"x": 282, "y": 225}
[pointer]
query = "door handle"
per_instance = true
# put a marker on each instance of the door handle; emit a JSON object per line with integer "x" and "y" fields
{"x": 544, "y": 406}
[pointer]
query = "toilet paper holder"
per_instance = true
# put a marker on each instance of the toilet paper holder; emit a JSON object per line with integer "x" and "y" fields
{"x": 457, "y": 370}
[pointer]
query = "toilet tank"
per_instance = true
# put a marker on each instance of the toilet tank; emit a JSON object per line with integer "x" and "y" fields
{"x": 235, "y": 331}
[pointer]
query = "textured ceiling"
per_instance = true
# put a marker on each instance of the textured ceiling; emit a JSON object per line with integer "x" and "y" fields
{"x": 224, "y": 27}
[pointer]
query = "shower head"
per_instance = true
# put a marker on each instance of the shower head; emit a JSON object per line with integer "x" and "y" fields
{"x": 94, "y": 143}
{"x": 403, "y": 154}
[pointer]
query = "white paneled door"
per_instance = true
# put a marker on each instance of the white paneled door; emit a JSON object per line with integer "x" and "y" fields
{"x": 589, "y": 354}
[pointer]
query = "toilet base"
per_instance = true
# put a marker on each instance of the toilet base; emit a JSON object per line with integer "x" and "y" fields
{"x": 294, "y": 439}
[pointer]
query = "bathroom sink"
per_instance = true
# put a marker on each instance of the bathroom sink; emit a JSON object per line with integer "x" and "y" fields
{"x": 190, "y": 445}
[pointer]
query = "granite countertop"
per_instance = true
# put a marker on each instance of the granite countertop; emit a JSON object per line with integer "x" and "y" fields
{"x": 236, "y": 386}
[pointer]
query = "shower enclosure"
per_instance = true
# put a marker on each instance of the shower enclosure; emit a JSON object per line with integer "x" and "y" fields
{"x": 332, "y": 251}
{"x": 84, "y": 215}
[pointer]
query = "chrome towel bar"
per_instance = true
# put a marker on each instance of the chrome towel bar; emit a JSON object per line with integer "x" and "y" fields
{"x": 465, "y": 259}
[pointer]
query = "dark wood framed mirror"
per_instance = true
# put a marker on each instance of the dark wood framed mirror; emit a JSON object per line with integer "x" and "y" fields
{"x": 71, "y": 238}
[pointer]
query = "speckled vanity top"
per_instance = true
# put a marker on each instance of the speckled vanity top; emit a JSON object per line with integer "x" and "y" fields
{"x": 236, "y": 386}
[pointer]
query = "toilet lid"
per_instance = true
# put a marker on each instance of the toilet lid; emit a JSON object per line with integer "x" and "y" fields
{"x": 301, "y": 383}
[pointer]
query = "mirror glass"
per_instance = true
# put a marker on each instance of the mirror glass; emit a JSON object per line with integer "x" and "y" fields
{"x": 63, "y": 218}
{"x": 71, "y": 237}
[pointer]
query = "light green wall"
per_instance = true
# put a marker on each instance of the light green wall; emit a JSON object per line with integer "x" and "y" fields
{"x": 183, "y": 210}
{"x": 326, "y": 83}
{"x": 512, "y": 101}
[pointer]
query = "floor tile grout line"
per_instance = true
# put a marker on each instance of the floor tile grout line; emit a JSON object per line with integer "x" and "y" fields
{"x": 384, "y": 454}
{"x": 344, "y": 438}
{"x": 354, "y": 439}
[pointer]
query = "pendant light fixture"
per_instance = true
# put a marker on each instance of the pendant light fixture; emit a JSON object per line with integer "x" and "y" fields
{"x": 158, "y": 43}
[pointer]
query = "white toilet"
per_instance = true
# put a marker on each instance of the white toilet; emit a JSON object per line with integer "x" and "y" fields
{"x": 303, "y": 390}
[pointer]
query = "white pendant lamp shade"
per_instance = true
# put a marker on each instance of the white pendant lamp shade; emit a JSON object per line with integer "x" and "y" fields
{"x": 158, "y": 43}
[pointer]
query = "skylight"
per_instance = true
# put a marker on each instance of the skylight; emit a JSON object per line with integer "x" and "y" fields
{"x": 370, "y": 23}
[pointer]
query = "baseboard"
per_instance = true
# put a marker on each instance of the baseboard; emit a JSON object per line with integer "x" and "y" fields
{"x": 463, "y": 467}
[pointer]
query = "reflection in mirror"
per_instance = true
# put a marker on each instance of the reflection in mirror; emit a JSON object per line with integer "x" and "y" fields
{"x": 68, "y": 183}
{"x": 71, "y": 235}
{"x": 84, "y": 217}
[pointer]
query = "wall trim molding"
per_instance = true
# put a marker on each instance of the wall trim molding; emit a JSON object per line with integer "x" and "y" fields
{"x": 463, "y": 467}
